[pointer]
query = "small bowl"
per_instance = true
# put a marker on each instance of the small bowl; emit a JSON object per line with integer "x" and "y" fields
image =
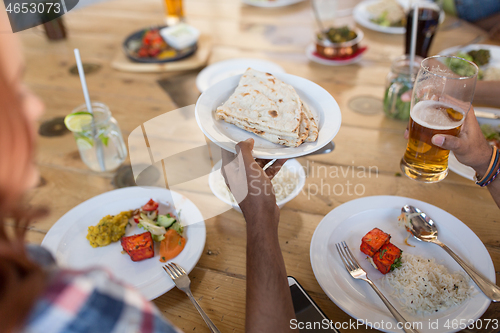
{"x": 292, "y": 165}
{"x": 330, "y": 50}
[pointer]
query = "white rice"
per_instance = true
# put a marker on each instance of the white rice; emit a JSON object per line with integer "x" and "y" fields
{"x": 492, "y": 74}
{"x": 283, "y": 183}
{"x": 424, "y": 286}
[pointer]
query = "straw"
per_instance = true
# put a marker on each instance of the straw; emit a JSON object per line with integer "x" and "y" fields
{"x": 413, "y": 38}
{"x": 318, "y": 19}
{"x": 100, "y": 153}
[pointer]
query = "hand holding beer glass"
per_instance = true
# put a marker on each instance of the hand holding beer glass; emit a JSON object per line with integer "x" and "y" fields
{"x": 442, "y": 96}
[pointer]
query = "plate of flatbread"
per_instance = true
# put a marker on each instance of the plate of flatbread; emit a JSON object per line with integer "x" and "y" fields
{"x": 287, "y": 116}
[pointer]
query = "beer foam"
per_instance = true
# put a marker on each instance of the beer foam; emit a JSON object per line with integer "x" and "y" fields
{"x": 433, "y": 115}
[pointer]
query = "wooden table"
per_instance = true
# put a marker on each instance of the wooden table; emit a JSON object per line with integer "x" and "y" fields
{"x": 279, "y": 35}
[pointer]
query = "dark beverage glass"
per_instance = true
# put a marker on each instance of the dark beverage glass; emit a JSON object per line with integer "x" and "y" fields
{"x": 428, "y": 19}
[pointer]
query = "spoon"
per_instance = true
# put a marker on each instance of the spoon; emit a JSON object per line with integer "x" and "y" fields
{"x": 424, "y": 229}
{"x": 318, "y": 21}
{"x": 328, "y": 148}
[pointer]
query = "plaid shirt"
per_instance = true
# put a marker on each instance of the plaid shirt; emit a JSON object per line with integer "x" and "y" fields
{"x": 91, "y": 301}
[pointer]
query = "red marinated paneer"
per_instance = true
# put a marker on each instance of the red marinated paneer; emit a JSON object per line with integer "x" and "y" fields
{"x": 373, "y": 241}
{"x": 139, "y": 247}
{"x": 386, "y": 257}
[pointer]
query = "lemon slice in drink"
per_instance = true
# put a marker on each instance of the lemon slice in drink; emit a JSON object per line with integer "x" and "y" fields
{"x": 84, "y": 143}
{"x": 76, "y": 121}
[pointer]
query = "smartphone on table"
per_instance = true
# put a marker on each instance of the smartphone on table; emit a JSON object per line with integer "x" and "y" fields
{"x": 309, "y": 317}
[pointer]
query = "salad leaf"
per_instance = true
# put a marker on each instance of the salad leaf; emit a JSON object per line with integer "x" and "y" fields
{"x": 177, "y": 227}
{"x": 490, "y": 133}
{"x": 465, "y": 56}
{"x": 459, "y": 66}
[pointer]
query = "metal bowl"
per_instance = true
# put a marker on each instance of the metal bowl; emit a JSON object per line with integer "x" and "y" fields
{"x": 330, "y": 50}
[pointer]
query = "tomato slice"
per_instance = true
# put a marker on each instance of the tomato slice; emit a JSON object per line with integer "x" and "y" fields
{"x": 150, "y": 206}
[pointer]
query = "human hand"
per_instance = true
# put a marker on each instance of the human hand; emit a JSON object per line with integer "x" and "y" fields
{"x": 250, "y": 184}
{"x": 470, "y": 146}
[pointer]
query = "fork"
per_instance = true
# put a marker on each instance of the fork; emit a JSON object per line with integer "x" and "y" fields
{"x": 353, "y": 267}
{"x": 182, "y": 281}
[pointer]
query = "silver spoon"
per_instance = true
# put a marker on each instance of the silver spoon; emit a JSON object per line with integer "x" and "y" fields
{"x": 318, "y": 21}
{"x": 328, "y": 148}
{"x": 424, "y": 229}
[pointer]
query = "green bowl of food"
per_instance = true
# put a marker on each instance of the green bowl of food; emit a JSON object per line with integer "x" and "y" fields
{"x": 338, "y": 43}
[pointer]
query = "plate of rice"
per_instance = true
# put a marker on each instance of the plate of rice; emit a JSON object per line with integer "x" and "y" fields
{"x": 429, "y": 289}
{"x": 287, "y": 184}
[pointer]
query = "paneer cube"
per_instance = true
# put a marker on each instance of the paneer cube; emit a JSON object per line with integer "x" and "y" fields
{"x": 386, "y": 256}
{"x": 373, "y": 241}
{"x": 139, "y": 247}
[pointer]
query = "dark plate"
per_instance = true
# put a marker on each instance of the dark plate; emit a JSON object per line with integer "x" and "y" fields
{"x": 136, "y": 38}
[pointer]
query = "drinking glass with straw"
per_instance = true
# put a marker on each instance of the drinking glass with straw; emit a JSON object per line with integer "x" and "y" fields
{"x": 97, "y": 142}
{"x": 97, "y": 134}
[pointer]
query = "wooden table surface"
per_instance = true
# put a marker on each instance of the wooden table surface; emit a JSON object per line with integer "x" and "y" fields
{"x": 279, "y": 35}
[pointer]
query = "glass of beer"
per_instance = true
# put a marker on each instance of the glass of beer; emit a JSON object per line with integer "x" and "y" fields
{"x": 442, "y": 96}
{"x": 174, "y": 13}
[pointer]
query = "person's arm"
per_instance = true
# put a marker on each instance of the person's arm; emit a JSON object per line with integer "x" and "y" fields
{"x": 269, "y": 306}
{"x": 487, "y": 92}
{"x": 472, "y": 149}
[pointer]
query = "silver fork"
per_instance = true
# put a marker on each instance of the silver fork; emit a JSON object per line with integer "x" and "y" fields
{"x": 182, "y": 281}
{"x": 353, "y": 267}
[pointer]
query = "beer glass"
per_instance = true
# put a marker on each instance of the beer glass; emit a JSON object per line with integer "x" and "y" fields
{"x": 441, "y": 98}
{"x": 174, "y": 12}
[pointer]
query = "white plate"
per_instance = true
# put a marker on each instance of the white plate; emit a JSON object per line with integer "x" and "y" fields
{"x": 221, "y": 70}
{"x": 322, "y": 105}
{"x": 271, "y": 3}
{"x": 462, "y": 169}
{"x": 363, "y": 17}
{"x": 310, "y": 53}
{"x": 459, "y": 168}
{"x": 352, "y": 220}
{"x": 494, "y": 53}
{"x": 66, "y": 240}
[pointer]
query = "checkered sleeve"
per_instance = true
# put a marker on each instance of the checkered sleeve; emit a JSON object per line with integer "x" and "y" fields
{"x": 91, "y": 301}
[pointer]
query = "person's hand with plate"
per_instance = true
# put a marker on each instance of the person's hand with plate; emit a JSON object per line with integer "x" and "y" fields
{"x": 269, "y": 306}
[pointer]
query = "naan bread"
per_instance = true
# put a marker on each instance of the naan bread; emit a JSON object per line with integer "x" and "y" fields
{"x": 264, "y": 102}
{"x": 269, "y": 108}
{"x": 313, "y": 126}
{"x": 286, "y": 140}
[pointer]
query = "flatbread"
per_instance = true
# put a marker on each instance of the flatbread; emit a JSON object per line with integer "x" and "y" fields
{"x": 269, "y": 108}
{"x": 285, "y": 140}
{"x": 264, "y": 103}
{"x": 313, "y": 125}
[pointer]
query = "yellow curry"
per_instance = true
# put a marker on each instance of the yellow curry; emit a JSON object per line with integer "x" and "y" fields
{"x": 110, "y": 229}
